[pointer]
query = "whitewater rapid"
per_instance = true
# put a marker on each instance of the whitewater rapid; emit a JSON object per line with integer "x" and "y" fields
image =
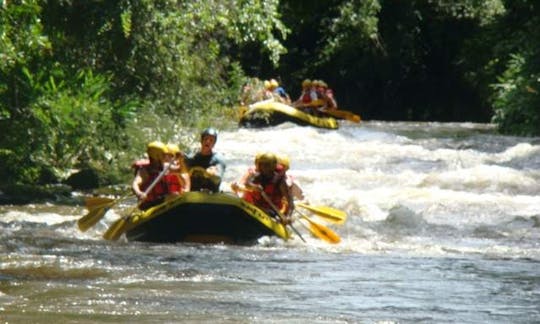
{"x": 443, "y": 227}
{"x": 422, "y": 188}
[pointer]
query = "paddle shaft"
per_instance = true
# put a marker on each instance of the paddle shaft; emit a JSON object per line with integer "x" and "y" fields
{"x": 156, "y": 180}
{"x": 267, "y": 199}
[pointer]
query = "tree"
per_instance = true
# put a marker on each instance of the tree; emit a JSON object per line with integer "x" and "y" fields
{"x": 83, "y": 83}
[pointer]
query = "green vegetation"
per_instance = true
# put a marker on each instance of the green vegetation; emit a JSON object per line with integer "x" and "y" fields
{"x": 84, "y": 84}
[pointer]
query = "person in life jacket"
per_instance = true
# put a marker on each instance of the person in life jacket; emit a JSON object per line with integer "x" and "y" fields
{"x": 283, "y": 165}
{"x": 239, "y": 186}
{"x": 279, "y": 92}
{"x": 308, "y": 99}
{"x": 305, "y": 94}
{"x": 327, "y": 96}
{"x": 267, "y": 91}
{"x": 177, "y": 179}
{"x": 206, "y": 167}
{"x": 146, "y": 171}
{"x": 273, "y": 184}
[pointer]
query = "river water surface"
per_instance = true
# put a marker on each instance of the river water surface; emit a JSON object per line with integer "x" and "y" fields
{"x": 443, "y": 227}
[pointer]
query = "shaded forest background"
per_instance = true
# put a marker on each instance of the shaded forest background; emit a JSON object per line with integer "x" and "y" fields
{"x": 85, "y": 84}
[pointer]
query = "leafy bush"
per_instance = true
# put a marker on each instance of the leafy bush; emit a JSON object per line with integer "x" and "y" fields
{"x": 517, "y": 97}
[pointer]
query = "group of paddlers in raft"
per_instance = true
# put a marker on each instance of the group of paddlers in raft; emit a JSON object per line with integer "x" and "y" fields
{"x": 315, "y": 98}
{"x": 168, "y": 173}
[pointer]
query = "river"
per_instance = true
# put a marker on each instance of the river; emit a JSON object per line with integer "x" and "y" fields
{"x": 443, "y": 227}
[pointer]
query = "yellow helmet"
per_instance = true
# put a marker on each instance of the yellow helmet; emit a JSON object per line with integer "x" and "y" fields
{"x": 306, "y": 83}
{"x": 323, "y": 84}
{"x": 173, "y": 149}
{"x": 274, "y": 83}
{"x": 268, "y": 159}
{"x": 155, "y": 150}
{"x": 258, "y": 157}
{"x": 284, "y": 161}
{"x": 267, "y": 84}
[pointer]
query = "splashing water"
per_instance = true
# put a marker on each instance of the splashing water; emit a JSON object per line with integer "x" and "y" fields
{"x": 443, "y": 226}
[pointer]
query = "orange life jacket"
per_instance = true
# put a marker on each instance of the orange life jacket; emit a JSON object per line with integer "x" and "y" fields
{"x": 272, "y": 190}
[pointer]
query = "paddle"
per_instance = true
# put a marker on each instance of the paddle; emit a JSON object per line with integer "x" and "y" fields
{"x": 118, "y": 227}
{"x": 94, "y": 215}
{"x": 97, "y": 208}
{"x": 267, "y": 199}
{"x": 320, "y": 231}
{"x": 331, "y": 214}
{"x": 94, "y": 202}
{"x": 337, "y": 113}
{"x": 342, "y": 114}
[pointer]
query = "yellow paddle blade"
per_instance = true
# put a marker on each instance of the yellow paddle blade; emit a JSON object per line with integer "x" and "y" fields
{"x": 328, "y": 213}
{"x": 91, "y": 202}
{"x": 322, "y": 232}
{"x": 344, "y": 114}
{"x": 116, "y": 230}
{"x": 95, "y": 214}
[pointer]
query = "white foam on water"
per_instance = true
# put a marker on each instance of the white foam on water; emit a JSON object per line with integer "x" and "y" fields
{"x": 40, "y": 218}
{"x": 430, "y": 194}
{"x": 368, "y": 172}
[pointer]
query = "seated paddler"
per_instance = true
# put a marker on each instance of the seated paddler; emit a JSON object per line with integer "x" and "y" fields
{"x": 206, "y": 167}
{"x": 149, "y": 184}
{"x": 268, "y": 190}
{"x": 177, "y": 177}
{"x": 283, "y": 165}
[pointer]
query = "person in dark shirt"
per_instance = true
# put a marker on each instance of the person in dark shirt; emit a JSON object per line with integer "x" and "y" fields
{"x": 206, "y": 167}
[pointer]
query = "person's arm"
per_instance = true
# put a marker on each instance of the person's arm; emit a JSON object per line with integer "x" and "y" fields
{"x": 250, "y": 185}
{"x": 288, "y": 196}
{"x": 187, "y": 181}
{"x": 137, "y": 183}
{"x": 184, "y": 173}
{"x": 298, "y": 102}
{"x": 288, "y": 99}
{"x": 240, "y": 185}
{"x": 217, "y": 166}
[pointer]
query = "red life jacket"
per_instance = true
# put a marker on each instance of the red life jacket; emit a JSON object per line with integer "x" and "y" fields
{"x": 172, "y": 181}
{"x": 306, "y": 97}
{"x": 160, "y": 189}
{"x": 271, "y": 188}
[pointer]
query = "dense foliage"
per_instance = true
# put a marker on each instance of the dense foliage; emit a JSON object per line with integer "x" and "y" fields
{"x": 87, "y": 83}
{"x": 84, "y": 84}
{"x": 420, "y": 59}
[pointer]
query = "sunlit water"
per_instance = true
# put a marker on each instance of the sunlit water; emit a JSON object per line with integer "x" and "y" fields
{"x": 443, "y": 227}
